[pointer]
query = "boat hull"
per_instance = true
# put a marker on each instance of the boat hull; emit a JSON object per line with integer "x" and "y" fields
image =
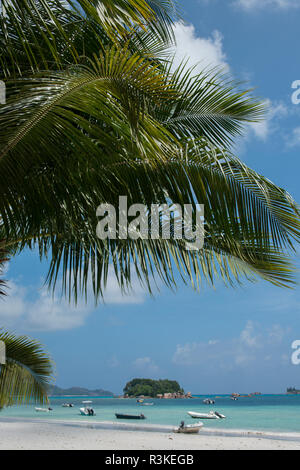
{"x": 85, "y": 412}
{"x": 195, "y": 415}
{"x": 189, "y": 428}
{"x": 124, "y": 416}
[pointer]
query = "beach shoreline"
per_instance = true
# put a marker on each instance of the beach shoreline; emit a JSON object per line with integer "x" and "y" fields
{"x": 30, "y": 434}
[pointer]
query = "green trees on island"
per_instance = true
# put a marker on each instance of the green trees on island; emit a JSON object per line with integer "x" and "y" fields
{"x": 151, "y": 388}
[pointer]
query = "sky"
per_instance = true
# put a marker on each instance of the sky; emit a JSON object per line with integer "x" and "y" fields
{"x": 220, "y": 340}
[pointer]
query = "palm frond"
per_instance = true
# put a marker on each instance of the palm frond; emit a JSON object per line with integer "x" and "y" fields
{"x": 27, "y": 373}
{"x": 210, "y": 105}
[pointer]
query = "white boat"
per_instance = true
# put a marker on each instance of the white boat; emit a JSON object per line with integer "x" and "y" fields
{"x": 210, "y": 415}
{"x": 44, "y": 410}
{"x": 87, "y": 410}
{"x": 220, "y": 415}
{"x": 147, "y": 404}
{"x": 189, "y": 428}
{"x": 208, "y": 401}
{"x": 67, "y": 405}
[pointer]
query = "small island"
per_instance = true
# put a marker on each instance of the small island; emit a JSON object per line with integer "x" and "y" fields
{"x": 163, "y": 388}
{"x": 293, "y": 391}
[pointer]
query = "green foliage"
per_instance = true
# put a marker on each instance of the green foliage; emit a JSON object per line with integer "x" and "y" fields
{"x": 94, "y": 111}
{"x": 151, "y": 388}
{"x": 27, "y": 373}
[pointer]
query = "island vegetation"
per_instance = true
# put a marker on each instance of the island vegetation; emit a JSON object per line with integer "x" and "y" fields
{"x": 293, "y": 391}
{"x": 162, "y": 388}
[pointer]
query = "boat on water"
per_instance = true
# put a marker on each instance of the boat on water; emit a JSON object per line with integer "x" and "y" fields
{"x": 147, "y": 404}
{"x": 189, "y": 428}
{"x": 209, "y": 401}
{"x": 210, "y": 415}
{"x": 87, "y": 409}
{"x": 219, "y": 415}
{"x": 67, "y": 405}
{"x": 127, "y": 416}
{"x": 43, "y": 410}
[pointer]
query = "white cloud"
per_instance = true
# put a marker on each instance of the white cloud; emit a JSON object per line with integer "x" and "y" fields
{"x": 114, "y": 295}
{"x": 254, "y": 343}
{"x": 208, "y": 52}
{"x": 146, "y": 365}
{"x": 293, "y": 140}
{"x": 248, "y": 336}
{"x": 250, "y": 5}
{"x": 263, "y": 129}
{"x": 204, "y": 52}
{"x": 29, "y": 308}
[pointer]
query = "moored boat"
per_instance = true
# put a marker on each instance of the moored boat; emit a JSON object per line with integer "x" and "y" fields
{"x": 128, "y": 416}
{"x": 189, "y": 428}
{"x": 210, "y": 415}
{"x": 220, "y": 415}
{"x": 208, "y": 401}
{"x": 87, "y": 410}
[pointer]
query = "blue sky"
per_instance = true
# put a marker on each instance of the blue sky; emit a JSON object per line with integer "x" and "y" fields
{"x": 220, "y": 340}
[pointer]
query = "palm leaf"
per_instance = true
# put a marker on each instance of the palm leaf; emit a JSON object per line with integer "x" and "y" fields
{"x": 27, "y": 372}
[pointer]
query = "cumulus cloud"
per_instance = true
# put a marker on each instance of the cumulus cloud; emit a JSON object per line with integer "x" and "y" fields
{"x": 203, "y": 52}
{"x": 263, "y": 129}
{"x": 32, "y": 309}
{"x": 208, "y": 52}
{"x": 254, "y": 343}
{"x": 145, "y": 365}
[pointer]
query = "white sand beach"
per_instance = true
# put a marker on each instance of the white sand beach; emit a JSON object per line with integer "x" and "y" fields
{"x": 29, "y": 435}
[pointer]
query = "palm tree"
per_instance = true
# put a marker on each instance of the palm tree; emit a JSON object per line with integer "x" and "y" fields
{"x": 26, "y": 375}
{"x": 96, "y": 110}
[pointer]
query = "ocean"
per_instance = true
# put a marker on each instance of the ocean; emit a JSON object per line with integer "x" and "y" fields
{"x": 261, "y": 412}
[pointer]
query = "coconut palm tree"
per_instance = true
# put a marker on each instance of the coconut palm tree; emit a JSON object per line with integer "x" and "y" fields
{"x": 96, "y": 110}
{"x": 27, "y": 372}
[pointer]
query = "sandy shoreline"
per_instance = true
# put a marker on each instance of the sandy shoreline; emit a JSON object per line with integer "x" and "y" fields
{"x": 32, "y": 434}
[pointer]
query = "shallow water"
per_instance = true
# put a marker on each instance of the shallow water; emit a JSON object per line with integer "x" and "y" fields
{"x": 262, "y": 412}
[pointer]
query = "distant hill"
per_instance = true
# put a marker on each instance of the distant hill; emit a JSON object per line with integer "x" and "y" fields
{"x": 79, "y": 391}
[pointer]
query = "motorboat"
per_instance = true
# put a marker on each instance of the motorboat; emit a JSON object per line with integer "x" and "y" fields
{"x": 67, "y": 405}
{"x": 220, "y": 415}
{"x": 210, "y": 415}
{"x": 87, "y": 409}
{"x": 43, "y": 410}
{"x": 189, "y": 428}
{"x": 209, "y": 401}
{"x": 147, "y": 404}
{"x": 127, "y": 416}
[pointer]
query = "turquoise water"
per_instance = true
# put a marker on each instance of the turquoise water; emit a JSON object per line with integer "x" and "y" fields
{"x": 263, "y": 412}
